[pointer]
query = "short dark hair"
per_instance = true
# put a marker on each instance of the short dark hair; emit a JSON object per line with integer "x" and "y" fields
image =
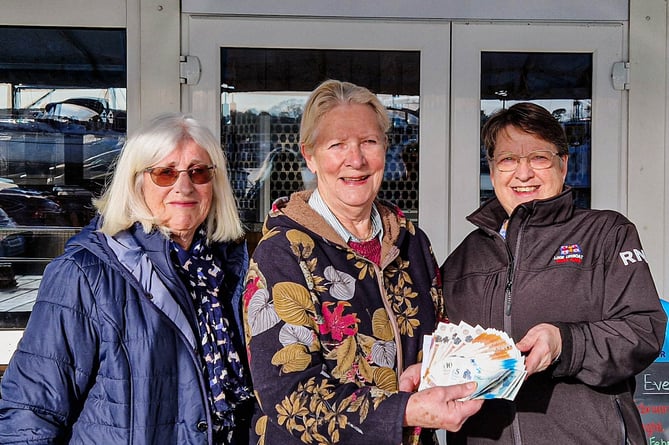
{"x": 530, "y": 118}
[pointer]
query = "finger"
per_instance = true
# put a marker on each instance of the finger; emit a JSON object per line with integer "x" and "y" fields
{"x": 526, "y": 343}
{"x": 532, "y": 362}
{"x": 471, "y": 407}
{"x": 457, "y": 413}
{"x": 410, "y": 378}
{"x": 537, "y": 361}
{"x": 460, "y": 391}
{"x": 407, "y": 384}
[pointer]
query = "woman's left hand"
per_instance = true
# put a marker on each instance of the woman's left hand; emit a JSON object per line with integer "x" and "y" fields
{"x": 410, "y": 378}
{"x": 543, "y": 346}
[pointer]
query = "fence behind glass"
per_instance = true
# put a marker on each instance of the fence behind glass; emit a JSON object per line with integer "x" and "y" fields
{"x": 263, "y": 94}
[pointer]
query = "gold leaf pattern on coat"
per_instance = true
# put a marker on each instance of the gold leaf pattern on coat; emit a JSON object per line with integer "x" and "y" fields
{"x": 293, "y": 304}
{"x": 261, "y": 427}
{"x": 311, "y": 407}
{"x": 346, "y": 354}
{"x": 300, "y": 243}
{"x": 408, "y": 321}
{"x": 385, "y": 379}
{"x": 365, "y": 370}
{"x": 290, "y": 410}
{"x": 400, "y": 269}
{"x": 365, "y": 344}
{"x": 365, "y": 266}
{"x": 361, "y": 405}
{"x": 292, "y": 358}
{"x": 407, "y": 314}
{"x": 381, "y": 327}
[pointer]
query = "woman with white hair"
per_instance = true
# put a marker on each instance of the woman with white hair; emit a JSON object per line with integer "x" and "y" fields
{"x": 136, "y": 334}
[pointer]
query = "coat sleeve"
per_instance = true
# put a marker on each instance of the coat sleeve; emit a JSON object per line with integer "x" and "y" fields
{"x": 292, "y": 376}
{"x": 630, "y": 334}
{"x": 50, "y": 372}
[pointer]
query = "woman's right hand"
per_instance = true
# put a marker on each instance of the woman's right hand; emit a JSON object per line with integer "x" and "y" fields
{"x": 440, "y": 407}
{"x": 542, "y": 345}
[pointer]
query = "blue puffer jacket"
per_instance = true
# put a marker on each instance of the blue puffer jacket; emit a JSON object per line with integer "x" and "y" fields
{"x": 99, "y": 362}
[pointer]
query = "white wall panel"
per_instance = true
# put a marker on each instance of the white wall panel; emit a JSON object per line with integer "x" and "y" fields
{"x": 600, "y": 10}
{"x": 647, "y": 159}
{"x": 89, "y": 13}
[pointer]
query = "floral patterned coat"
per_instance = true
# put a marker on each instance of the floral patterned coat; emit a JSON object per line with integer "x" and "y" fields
{"x": 329, "y": 332}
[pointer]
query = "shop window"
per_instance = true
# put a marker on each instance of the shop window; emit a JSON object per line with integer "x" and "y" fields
{"x": 62, "y": 124}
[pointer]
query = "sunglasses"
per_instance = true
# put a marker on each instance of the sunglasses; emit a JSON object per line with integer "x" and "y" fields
{"x": 167, "y": 176}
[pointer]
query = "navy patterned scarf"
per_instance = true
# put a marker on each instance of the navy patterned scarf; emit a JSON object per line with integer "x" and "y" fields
{"x": 204, "y": 276}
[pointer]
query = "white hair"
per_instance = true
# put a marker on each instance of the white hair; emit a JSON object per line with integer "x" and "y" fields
{"x": 122, "y": 203}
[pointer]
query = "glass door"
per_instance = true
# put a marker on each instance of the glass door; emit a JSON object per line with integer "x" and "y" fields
{"x": 566, "y": 69}
{"x": 62, "y": 124}
{"x": 257, "y": 73}
{"x": 263, "y": 95}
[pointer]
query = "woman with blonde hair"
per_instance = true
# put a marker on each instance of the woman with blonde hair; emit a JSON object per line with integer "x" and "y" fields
{"x": 340, "y": 291}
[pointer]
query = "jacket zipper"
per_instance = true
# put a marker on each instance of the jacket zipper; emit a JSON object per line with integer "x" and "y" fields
{"x": 507, "y": 289}
{"x": 511, "y": 270}
{"x": 394, "y": 252}
{"x": 623, "y": 427}
{"x": 193, "y": 352}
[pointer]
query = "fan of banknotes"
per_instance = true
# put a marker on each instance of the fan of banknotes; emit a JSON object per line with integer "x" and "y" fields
{"x": 460, "y": 353}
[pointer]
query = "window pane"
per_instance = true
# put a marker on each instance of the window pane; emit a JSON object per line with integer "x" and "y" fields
{"x": 263, "y": 94}
{"x": 62, "y": 123}
{"x": 561, "y": 83}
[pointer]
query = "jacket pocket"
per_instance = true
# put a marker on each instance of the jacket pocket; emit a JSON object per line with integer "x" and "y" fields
{"x": 631, "y": 428}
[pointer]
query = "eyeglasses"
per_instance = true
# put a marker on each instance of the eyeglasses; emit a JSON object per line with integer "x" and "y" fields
{"x": 167, "y": 176}
{"x": 538, "y": 160}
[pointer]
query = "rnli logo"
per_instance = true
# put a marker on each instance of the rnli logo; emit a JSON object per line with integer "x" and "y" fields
{"x": 633, "y": 256}
{"x": 569, "y": 253}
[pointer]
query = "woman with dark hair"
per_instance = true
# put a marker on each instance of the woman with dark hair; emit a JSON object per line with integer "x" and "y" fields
{"x": 571, "y": 285}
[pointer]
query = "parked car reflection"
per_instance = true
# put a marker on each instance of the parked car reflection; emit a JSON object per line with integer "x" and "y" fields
{"x": 11, "y": 244}
{"x": 31, "y": 208}
{"x": 76, "y": 202}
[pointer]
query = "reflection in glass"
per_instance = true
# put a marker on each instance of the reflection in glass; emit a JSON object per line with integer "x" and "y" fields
{"x": 263, "y": 93}
{"x": 62, "y": 124}
{"x": 561, "y": 83}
